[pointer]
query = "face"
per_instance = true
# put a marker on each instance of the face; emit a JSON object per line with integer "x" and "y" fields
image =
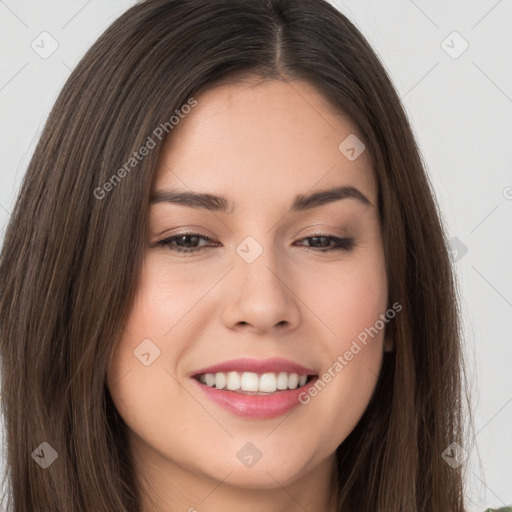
{"x": 269, "y": 296}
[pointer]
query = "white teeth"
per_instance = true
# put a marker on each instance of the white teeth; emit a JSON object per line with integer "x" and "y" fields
{"x": 249, "y": 381}
{"x": 233, "y": 381}
{"x": 220, "y": 381}
{"x": 253, "y": 382}
{"x": 293, "y": 380}
{"x": 282, "y": 381}
{"x": 268, "y": 382}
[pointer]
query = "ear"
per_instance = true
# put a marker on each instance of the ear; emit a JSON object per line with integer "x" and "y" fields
{"x": 388, "y": 343}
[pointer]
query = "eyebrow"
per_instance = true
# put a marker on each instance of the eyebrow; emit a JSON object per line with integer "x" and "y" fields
{"x": 221, "y": 204}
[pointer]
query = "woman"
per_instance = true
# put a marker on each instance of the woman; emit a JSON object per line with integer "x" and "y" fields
{"x": 225, "y": 284}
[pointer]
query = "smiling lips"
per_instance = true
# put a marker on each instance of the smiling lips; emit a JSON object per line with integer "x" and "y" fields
{"x": 255, "y": 388}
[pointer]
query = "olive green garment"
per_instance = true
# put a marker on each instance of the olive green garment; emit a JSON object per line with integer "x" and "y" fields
{"x": 504, "y": 509}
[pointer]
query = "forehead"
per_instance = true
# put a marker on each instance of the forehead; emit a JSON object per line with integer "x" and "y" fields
{"x": 270, "y": 138}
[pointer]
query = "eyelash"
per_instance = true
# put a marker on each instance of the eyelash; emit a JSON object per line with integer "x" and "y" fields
{"x": 342, "y": 244}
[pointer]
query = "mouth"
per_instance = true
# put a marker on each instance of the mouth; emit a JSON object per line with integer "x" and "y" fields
{"x": 256, "y": 389}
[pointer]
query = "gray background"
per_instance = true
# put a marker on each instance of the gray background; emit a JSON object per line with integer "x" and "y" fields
{"x": 460, "y": 109}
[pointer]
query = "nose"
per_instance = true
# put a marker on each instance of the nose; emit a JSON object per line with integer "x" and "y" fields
{"x": 260, "y": 296}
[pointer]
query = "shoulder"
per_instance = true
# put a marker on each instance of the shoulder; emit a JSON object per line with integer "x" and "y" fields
{"x": 504, "y": 509}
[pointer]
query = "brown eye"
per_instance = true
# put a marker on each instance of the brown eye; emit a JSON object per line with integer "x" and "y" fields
{"x": 323, "y": 243}
{"x": 184, "y": 242}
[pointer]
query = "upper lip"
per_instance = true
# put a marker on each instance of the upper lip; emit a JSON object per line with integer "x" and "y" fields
{"x": 275, "y": 364}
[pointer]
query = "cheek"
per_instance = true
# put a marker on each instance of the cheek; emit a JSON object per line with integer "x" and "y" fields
{"x": 349, "y": 301}
{"x": 140, "y": 376}
{"x": 138, "y": 353}
{"x": 156, "y": 317}
{"x": 347, "y": 298}
{"x": 165, "y": 296}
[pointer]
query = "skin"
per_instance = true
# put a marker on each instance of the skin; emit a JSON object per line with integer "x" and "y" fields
{"x": 259, "y": 144}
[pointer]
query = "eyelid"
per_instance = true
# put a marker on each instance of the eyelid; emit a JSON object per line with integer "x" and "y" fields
{"x": 322, "y": 229}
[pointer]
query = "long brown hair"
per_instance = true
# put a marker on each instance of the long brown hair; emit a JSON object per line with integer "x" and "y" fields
{"x": 74, "y": 247}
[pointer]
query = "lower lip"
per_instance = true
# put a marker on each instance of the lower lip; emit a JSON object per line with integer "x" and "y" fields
{"x": 256, "y": 406}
